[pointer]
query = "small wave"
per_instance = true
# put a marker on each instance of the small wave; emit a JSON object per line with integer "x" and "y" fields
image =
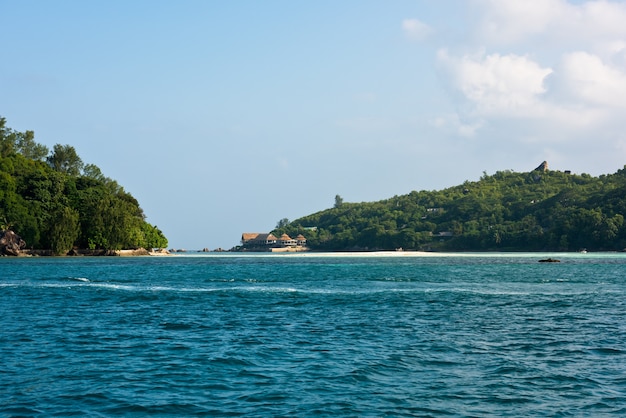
{"x": 62, "y": 279}
{"x": 174, "y": 326}
{"x": 607, "y": 351}
{"x": 265, "y": 289}
{"x": 116, "y": 286}
{"x": 139, "y": 288}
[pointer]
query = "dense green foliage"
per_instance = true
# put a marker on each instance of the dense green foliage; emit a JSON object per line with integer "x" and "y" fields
{"x": 54, "y": 201}
{"x": 507, "y": 211}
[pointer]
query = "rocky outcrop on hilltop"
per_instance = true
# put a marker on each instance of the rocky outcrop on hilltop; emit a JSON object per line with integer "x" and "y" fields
{"x": 542, "y": 167}
{"x": 11, "y": 243}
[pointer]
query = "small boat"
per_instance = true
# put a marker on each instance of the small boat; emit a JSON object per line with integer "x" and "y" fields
{"x": 549, "y": 260}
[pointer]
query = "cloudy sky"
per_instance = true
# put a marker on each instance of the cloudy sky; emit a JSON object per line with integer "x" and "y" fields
{"x": 223, "y": 117}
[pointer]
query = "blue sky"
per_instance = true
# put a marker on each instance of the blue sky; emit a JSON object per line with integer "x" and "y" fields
{"x": 225, "y": 117}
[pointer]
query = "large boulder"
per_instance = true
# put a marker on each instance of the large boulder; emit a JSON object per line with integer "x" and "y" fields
{"x": 11, "y": 243}
{"x": 542, "y": 167}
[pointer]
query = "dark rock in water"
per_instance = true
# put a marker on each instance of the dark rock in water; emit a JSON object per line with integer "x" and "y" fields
{"x": 550, "y": 260}
{"x": 11, "y": 243}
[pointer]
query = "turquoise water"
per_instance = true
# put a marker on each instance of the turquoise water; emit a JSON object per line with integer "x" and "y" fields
{"x": 285, "y": 335}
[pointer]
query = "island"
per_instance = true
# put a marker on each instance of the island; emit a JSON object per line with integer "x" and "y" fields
{"x": 540, "y": 210}
{"x": 52, "y": 203}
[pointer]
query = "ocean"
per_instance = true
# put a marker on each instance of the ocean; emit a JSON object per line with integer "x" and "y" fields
{"x": 314, "y": 335}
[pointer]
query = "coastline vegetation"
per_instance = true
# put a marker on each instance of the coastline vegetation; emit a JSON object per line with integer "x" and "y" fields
{"x": 56, "y": 202}
{"x": 540, "y": 210}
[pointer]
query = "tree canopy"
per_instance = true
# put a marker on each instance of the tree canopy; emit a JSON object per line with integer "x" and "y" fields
{"x": 539, "y": 210}
{"x": 56, "y": 202}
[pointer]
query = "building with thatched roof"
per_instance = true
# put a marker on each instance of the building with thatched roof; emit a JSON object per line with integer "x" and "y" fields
{"x": 300, "y": 240}
{"x": 258, "y": 239}
{"x": 269, "y": 241}
{"x": 286, "y": 241}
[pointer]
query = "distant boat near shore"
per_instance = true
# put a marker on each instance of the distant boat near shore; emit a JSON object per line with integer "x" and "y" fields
{"x": 549, "y": 260}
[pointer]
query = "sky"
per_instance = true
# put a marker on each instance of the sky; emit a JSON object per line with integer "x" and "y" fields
{"x": 224, "y": 117}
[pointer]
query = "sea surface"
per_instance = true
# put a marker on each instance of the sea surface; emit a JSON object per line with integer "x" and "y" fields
{"x": 308, "y": 335}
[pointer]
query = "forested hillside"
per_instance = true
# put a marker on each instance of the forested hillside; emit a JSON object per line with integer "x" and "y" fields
{"x": 54, "y": 201}
{"x": 538, "y": 210}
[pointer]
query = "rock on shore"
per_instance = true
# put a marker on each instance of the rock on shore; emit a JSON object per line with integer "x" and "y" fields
{"x": 11, "y": 243}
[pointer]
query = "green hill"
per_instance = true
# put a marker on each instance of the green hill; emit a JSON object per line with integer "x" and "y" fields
{"x": 56, "y": 202}
{"x": 540, "y": 210}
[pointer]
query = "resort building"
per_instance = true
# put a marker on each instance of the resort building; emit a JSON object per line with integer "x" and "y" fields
{"x": 253, "y": 239}
{"x": 269, "y": 241}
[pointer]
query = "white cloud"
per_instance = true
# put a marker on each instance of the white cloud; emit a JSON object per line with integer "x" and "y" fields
{"x": 497, "y": 84}
{"x": 415, "y": 29}
{"x": 600, "y": 19}
{"x": 505, "y": 22}
{"x": 591, "y": 81}
{"x": 545, "y": 69}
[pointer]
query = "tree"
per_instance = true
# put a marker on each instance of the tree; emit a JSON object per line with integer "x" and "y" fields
{"x": 282, "y": 223}
{"x": 338, "y": 201}
{"x": 64, "y": 230}
{"x": 92, "y": 171}
{"x": 7, "y": 139}
{"x": 153, "y": 237}
{"x": 64, "y": 159}
{"x": 26, "y": 145}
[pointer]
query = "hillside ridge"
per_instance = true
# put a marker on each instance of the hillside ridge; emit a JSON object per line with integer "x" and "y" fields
{"x": 539, "y": 210}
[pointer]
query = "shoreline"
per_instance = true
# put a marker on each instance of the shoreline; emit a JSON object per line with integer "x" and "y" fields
{"x": 139, "y": 252}
{"x": 405, "y": 254}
